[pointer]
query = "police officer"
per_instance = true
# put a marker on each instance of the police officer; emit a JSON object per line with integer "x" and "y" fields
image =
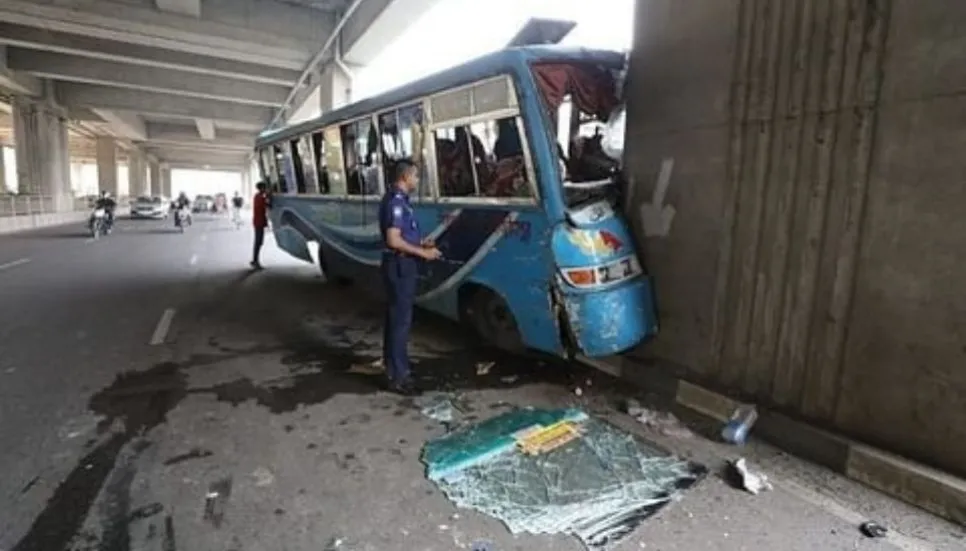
{"x": 403, "y": 250}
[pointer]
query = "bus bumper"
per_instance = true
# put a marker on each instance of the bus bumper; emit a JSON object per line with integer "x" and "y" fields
{"x": 612, "y": 321}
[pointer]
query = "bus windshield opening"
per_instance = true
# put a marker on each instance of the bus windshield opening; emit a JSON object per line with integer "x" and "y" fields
{"x": 581, "y": 100}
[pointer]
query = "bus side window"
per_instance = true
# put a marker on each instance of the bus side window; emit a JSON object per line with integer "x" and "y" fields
{"x": 298, "y": 168}
{"x": 281, "y": 183}
{"x": 269, "y": 169}
{"x": 484, "y": 159}
{"x": 318, "y": 147}
{"x": 334, "y": 161}
{"x": 453, "y": 162}
{"x": 403, "y": 137}
{"x": 361, "y": 151}
{"x": 309, "y": 179}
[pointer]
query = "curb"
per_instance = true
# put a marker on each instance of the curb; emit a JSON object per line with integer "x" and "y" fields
{"x": 924, "y": 487}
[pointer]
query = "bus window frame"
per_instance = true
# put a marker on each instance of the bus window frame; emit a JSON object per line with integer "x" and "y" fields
{"x": 430, "y": 172}
{"x": 380, "y": 184}
{"x": 305, "y": 140}
{"x": 430, "y": 126}
{"x": 517, "y": 116}
{"x": 292, "y": 188}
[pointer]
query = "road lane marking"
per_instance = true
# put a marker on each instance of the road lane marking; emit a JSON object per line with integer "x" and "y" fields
{"x": 194, "y": 259}
{"x": 164, "y": 324}
{"x": 14, "y": 263}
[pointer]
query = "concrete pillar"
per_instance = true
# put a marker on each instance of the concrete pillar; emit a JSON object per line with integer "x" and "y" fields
{"x": 165, "y": 178}
{"x": 3, "y": 169}
{"x": 43, "y": 162}
{"x": 137, "y": 177}
{"x": 154, "y": 177}
{"x": 335, "y": 87}
{"x": 107, "y": 165}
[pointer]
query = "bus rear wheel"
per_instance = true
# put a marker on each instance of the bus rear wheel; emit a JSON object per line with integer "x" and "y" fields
{"x": 329, "y": 277}
{"x": 493, "y": 320}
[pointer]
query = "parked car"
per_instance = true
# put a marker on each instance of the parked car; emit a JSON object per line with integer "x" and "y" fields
{"x": 150, "y": 207}
{"x": 203, "y": 203}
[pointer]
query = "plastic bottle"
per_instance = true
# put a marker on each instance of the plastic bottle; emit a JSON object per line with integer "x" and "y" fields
{"x": 737, "y": 428}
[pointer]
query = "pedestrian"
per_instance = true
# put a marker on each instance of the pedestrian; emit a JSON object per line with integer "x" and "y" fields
{"x": 260, "y": 205}
{"x": 403, "y": 250}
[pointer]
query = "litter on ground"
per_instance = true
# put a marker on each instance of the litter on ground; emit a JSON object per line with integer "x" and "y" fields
{"x": 557, "y": 471}
{"x": 749, "y": 480}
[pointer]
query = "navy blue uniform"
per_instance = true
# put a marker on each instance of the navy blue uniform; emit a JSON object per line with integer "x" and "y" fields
{"x": 399, "y": 274}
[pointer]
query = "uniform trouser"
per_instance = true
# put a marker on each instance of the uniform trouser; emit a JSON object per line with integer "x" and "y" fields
{"x": 399, "y": 278}
{"x": 259, "y": 240}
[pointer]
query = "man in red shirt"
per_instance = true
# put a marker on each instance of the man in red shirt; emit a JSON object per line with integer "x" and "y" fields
{"x": 260, "y": 221}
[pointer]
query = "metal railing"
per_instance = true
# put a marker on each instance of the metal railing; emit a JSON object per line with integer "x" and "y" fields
{"x": 27, "y": 205}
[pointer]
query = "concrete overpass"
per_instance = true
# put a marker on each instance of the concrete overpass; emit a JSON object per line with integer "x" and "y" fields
{"x": 174, "y": 83}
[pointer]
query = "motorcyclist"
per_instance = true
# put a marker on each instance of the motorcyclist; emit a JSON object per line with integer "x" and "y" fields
{"x": 106, "y": 202}
{"x": 181, "y": 204}
{"x": 236, "y": 205}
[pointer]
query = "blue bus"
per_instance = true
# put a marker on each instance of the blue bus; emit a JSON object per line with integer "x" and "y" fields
{"x": 515, "y": 190}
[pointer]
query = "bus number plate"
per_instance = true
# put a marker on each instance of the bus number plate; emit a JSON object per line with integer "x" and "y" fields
{"x": 617, "y": 271}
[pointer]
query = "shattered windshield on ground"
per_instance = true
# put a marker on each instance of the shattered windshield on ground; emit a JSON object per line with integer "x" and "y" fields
{"x": 597, "y": 484}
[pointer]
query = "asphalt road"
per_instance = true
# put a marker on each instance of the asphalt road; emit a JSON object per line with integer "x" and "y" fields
{"x": 138, "y": 370}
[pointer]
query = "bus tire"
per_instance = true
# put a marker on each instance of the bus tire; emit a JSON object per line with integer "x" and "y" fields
{"x": 329, "y": 277}
{"x": 493, "y": 320}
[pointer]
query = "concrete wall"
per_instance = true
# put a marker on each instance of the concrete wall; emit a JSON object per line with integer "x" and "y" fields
{"x": 815, "y": 260}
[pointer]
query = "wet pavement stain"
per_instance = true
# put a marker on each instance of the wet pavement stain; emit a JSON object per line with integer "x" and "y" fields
{"x": 318, "y": 371}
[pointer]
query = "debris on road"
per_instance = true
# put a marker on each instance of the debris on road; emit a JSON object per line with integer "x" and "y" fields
{"x": 509, "y": 379}
{"x": 216, "y": 501}
{"x": 737, "y": 428}
{"x": 597, "y": 485}
{"x": 748, "y": 480}
{"x": 263, "y": 477}
{"x": 664, "y": 422}
{"x": 483, "y": 368}
{"x": 438, "y": 407}
{"x": 370, "y": 369}
{"x": 873, "y": 530}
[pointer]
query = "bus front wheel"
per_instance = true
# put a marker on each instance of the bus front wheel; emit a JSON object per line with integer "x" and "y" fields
{"x": 494, "y": 321}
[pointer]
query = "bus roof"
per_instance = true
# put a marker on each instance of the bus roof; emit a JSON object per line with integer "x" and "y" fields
{"x": 492, "y": 64}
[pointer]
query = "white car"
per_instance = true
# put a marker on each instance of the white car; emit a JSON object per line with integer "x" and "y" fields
{"x": 150, "y": 207}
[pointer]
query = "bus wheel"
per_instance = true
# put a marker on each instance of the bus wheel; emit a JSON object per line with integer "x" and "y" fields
{"x": 494, "y": 321}
{"x": 324, "y": 268}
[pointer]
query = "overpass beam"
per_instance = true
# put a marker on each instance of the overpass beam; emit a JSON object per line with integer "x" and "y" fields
{"x": 43, "y": 159}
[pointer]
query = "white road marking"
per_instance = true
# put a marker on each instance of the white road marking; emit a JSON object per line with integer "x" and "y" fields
{"x": 14, "y": 263}
{"x": 164, "y": 324}
{"x": 194, "y": 259}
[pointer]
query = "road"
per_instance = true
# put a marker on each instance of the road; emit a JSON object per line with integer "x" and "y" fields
{"x": 139, "y": 369}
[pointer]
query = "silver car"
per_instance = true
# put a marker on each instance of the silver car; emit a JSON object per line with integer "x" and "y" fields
{"x": 150, "y": 207}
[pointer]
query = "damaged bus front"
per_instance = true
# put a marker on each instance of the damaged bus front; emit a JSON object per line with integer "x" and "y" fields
{"x": 604, "y": 298}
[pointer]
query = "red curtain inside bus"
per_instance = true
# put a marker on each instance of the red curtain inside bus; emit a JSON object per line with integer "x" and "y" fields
{"x": 591, "y": 87}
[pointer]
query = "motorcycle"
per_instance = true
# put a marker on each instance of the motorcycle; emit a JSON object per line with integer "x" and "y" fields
{"x": 98, "y": 223}
{"x": 182, "y": 217}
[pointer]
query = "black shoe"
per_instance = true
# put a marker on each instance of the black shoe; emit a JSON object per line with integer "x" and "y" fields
{"x": 255, "y": 265}
{"x": 405, "y": 388}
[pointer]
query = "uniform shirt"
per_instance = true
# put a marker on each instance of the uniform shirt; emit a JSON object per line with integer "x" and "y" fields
{"x": 260, "y": 212}
{"x": 395, "y": 211}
